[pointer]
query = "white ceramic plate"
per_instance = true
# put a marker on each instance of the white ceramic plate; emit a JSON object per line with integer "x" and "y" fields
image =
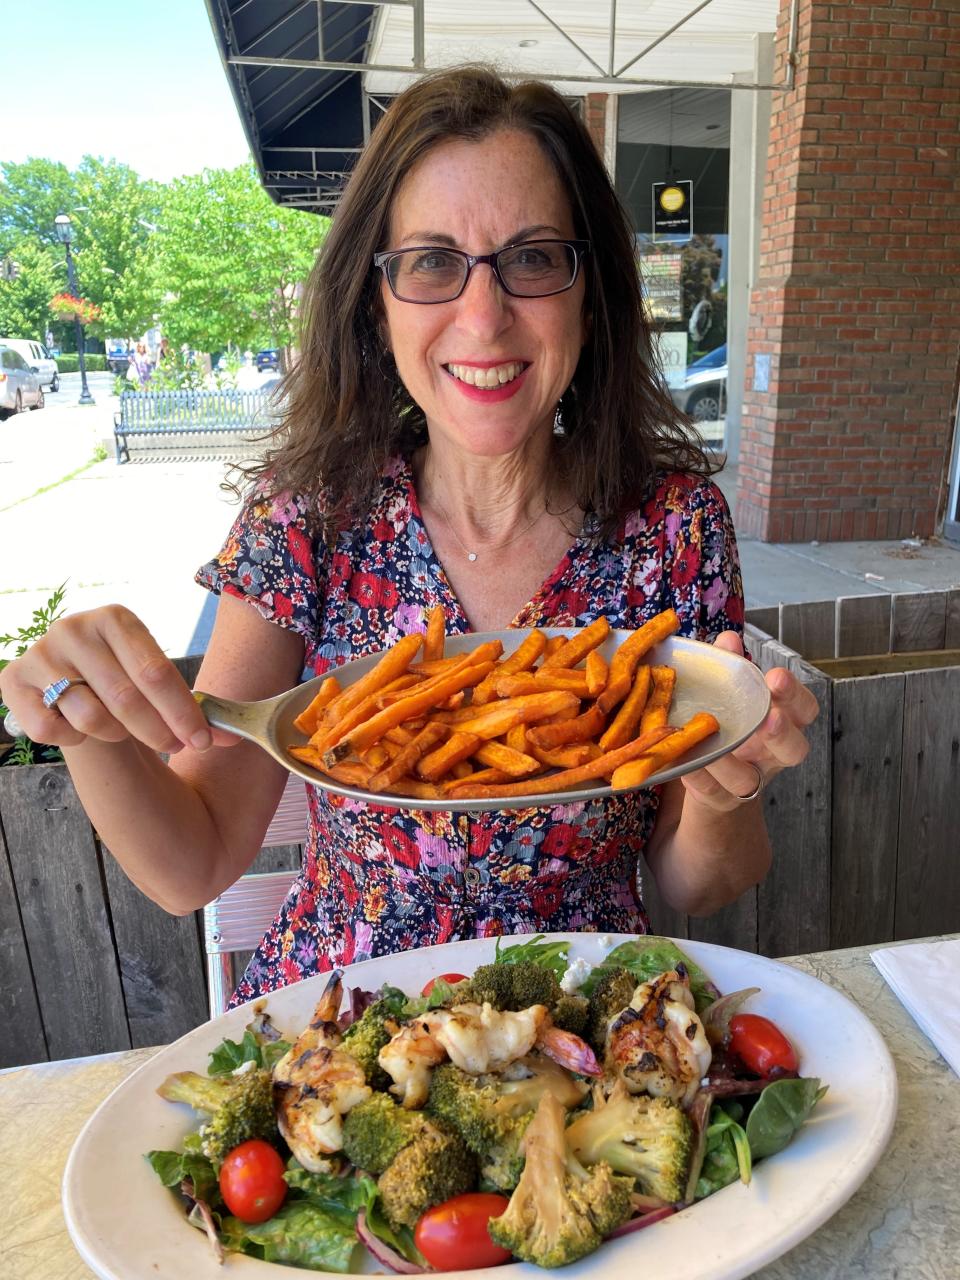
{"x": 708, "y": 679}
{"x": 127, "y": 1226}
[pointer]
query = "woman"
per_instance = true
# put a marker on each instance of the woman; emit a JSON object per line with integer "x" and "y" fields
{"x": 141, "y": 365}
{"x": 474, "y": 422}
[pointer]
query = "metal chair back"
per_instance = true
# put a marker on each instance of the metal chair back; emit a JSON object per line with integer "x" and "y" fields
{"x": 237, "y": 920}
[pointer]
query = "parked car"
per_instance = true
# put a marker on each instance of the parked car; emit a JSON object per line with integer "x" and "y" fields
{"x": 38, "y": 358}
{"x": 19, "y": 384}
{"x": 118, "y": 355}
{"x": 703, "y": 394}
{"x": 268, "y": 360}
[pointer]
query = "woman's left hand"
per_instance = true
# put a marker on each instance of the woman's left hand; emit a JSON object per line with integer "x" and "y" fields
{"x": 778, "y": 744}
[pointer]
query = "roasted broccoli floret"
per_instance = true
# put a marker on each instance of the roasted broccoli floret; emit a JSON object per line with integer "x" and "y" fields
{"x": 510, "y": 986}
{"x": 570, "y": 1013}
{"x": 365, "y": 1038}
{"x": 491, "y": 1112}
{"x": 240, "y": 1107}
{"x": 650, "y": 1139}
{"x": 377, "y": 1130}
{"x": 560, "y": 1211}
{"x": 432, "y": 1168}
{"x": 609, "y": 997}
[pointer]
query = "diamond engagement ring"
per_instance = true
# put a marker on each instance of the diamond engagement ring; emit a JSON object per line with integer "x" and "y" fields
{"x": 54, "y": 691}
{"x": 758, "y": 788}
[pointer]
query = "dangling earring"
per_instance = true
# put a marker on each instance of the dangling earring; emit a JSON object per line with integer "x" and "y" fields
{"x": 558, "y": 420}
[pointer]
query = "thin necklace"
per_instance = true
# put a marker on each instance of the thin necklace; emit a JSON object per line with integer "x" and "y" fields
{"x": 472, "y": 555}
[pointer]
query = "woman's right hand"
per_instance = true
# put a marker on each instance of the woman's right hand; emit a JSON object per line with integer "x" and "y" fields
{"x": 131, "y": 689}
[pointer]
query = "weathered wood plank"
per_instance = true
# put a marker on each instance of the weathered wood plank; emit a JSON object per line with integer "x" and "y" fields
{"x": 867, "y": 739}
{"x": 56, "y": 869}
{"x": 188, "y": 667}
{"x": 928, "y": 868}
{"x": 278, "y": 857}
{"x": 22, "y": 1040}
{"x": 161, "y": 963}
{"x": 863, "y": 625}
{"x": 794, "y": 901}
{"x": 918, "y": 621}
{"x": 663, "y": 918}
{"x": 732, "y": 926}
{"x": 881, "y": 664}
{"x": 951, "y": 637}
{"x": 810, "y": 629}
{"x": 765, "y": 618}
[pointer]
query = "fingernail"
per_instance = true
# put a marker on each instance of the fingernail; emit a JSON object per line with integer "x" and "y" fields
{"x": 202, "y": 740}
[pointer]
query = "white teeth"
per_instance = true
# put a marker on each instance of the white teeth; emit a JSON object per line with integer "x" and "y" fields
{"x": 487, "y": 378}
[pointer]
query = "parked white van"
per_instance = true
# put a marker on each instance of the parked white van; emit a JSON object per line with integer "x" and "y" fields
{"x": 38, "y": 358}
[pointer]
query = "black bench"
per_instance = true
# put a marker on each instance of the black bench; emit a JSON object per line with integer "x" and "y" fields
{"x": 162, "y": 424}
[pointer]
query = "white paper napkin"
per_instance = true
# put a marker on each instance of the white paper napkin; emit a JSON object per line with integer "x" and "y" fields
{"x": 925, "y": 977}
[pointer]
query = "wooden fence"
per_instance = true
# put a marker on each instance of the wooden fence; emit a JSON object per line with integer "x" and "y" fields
{"x": 865, "y": 836}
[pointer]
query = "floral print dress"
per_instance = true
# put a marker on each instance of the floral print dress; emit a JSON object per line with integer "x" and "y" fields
{"x": 377, "y": 879}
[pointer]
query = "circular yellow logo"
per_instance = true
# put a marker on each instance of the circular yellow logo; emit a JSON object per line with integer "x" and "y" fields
{"x": 672, "y": 199}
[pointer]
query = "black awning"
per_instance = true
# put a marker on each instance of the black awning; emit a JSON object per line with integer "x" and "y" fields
{"x": 305, "y": 125}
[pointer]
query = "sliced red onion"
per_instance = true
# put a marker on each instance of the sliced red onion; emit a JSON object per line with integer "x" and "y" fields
{"x": 383, "y": 1253}
{"x": 645, "y": 1220}
{"x": 716, "y": 1018}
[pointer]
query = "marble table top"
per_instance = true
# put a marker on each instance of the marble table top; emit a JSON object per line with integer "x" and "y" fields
{"x": 903, "y": 1222}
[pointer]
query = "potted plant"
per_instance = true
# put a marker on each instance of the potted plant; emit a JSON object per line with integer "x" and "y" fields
{"x": 67, "y": 307}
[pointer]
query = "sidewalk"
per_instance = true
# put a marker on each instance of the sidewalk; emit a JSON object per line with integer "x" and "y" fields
{"x": 136, "y": 535}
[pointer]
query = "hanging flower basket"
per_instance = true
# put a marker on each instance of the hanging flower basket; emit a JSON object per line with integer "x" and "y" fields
{"x": 66, "y": 307}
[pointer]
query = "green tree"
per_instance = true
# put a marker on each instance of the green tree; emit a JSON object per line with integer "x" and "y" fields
{"x": 32, "y": 193}
{"x": 24, "y": 301}
{"x": 231, "y": 261}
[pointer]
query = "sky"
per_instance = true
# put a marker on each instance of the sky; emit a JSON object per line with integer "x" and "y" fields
{"x": 138, "y": 82}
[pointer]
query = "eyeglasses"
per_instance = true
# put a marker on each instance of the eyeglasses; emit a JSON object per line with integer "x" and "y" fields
{"x": 533, "y": 269}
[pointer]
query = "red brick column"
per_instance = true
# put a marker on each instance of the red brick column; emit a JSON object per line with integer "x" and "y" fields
{"x": 856, "y": 311}
{"x": 595, "y": 118}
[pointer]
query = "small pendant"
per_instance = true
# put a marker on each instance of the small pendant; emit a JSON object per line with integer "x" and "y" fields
{"x": 471, "y": 555}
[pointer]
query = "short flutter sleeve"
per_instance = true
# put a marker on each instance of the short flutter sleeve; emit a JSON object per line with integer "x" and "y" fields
{"x": 701, "y": 566}
{"x": 273, "y": 557}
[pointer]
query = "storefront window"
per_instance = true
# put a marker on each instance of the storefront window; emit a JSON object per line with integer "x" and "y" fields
{"x": 673, "y": 152}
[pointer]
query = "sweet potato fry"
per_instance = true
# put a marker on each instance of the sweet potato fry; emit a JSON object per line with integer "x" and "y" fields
{"x": 408, "y": 757}
{"x": 462, "y": 769}
{"x": 580, "y": 729}
{"x": 657, "y": 710}
{"x": 516, "y": 738}
{"x": 414, "y": 787}
{"x": 522, "y": 659}
{"x": 353, "y": 772}
{"x": 569, "y": 757}
{"x": 393, "y": 663}
{"x": 569, "y": 778}
{"x": 371, "y": 704}
{"x": 497, "y": 719}
{"x": 576, "y": 648}
{"x": 436, "y": 634}
{"x": 597, "y": 669}
{"x": 516, "y": 764}
{"x": 553, "y": 644}
{"x": 418, "y": 701}
{"x": 477, "y": 777}
{"x": 624, "y": 662}
{"x": 626, "y": 721}
{"x": 635, "y": 772}
{"x": 459, "y": 746}
{"x": 309, "y": 717}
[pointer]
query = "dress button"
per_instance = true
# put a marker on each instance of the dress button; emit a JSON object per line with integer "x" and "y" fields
{"x": 471, "y": 875}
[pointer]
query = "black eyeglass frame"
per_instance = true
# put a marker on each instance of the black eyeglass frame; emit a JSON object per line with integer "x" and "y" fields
{"x": 382, "y": 260}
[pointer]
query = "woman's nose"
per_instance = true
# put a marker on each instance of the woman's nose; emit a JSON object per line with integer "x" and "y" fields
{"x": 483, "y": 307}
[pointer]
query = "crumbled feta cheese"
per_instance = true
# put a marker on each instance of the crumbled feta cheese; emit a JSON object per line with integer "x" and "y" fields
{"x": 606, "y": 939}
{"x": 576, "y": 975}
{"x": 245, "y": 1067}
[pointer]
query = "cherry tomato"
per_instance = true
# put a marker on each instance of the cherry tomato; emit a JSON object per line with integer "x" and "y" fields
{"x": 445, "y": 977}
{"x": 453, "y": 1236}
{"x": 761, "y": 1044}
{"x": 251, "y": 1181}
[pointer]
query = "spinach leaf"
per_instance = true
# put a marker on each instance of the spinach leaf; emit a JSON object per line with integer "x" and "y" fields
{"x": 171, "y": 1167}
{"x": 648, "y": 956}
{"x": 550, "y": 955}
{"x": 229, "y": 1055}
{"x": 779, "y": 1112}
{"x": 727, "y": 1156}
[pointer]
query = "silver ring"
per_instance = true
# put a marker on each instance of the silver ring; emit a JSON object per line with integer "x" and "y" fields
{"x": 761, "y": 780}
{"x": 55, "y": 691}
{"x": 11, "y": 726}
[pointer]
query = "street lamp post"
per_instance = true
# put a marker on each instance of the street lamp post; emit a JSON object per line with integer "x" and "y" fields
{"x": 64, "y": 229}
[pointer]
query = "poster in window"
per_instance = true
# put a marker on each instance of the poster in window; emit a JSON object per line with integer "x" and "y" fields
{"x": 662, "y": 280}
{"x": 671, "y": 351}
{"x": 673, "y": 208}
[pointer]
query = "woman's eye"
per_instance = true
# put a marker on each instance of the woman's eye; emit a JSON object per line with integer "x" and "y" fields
{"x": 431, "y": 262}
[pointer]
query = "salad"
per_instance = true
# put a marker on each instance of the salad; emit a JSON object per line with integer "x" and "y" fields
{"x": 530, "y": 1110}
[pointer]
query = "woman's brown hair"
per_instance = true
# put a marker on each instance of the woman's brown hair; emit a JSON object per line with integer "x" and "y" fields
{"x": 347, "y": 408}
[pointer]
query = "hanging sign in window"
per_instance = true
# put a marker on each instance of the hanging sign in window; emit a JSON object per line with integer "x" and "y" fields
{"x": 673, "y": 208}
{"x": 661, "y": 277}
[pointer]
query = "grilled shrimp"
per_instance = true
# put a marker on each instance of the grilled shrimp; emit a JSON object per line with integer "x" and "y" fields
{"x": 477, "y": 1039}
{"x": 316, "y": 1083}
{"x": 658, "y": 1044}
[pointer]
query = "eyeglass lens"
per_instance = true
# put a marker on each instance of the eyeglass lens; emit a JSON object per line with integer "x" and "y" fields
{"x": 529, "y": 270}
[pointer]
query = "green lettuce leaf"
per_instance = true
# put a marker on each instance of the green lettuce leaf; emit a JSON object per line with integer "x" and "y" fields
{"x": 171, "y": 1167}
{"x": 648, "y": 956}
{"x": 300, "y": 1235}
{"x": 728, "y": 1155}
{"x": 229, "y": 1055}
{"x": 550, "y": 955}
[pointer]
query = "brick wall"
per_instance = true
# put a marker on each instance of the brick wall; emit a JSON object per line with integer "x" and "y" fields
{"x": 857, "y": 302}
{"x": 595, "y": 118}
